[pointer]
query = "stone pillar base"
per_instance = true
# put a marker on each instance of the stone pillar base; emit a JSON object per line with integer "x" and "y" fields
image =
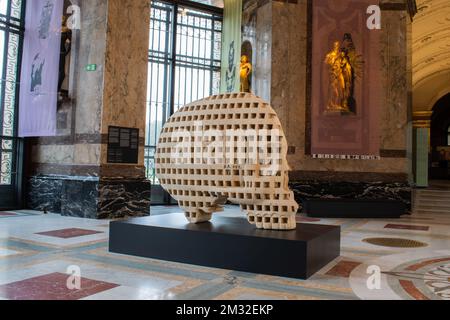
{"x": 89, "y": 197}
{"x": 353, "y": 190}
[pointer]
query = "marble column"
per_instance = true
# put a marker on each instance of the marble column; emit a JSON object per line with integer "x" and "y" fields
{"x": 70, "y": 173}
{"x": 421, "y": 143}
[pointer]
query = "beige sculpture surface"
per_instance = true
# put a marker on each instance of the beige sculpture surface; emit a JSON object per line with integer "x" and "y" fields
{"x": 228, "y": 148}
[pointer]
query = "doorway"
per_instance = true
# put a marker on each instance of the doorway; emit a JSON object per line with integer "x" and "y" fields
{"x": 440, "y": 140}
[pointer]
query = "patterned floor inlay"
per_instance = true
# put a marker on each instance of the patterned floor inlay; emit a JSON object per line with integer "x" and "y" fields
{"x": 7, "y": 214}
{"x": 407, "y": 227}
{"x": 395, "y": 242}
{"x": 409, "y": 287}
{"x": 343, "y": 269}
{"x": 52, "y": 287}
{"x": 427, "y": 279}
{"x": 306, "y": 219}
{"x": 69, "y": 233}
{"x": 422, "y": 264}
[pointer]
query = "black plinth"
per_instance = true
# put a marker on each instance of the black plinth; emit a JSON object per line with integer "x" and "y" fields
{"x": 353, "y": 208}
{"x": 228, "y": 243}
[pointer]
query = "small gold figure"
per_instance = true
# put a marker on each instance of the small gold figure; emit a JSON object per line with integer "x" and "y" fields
{"x": 344, "y": 65}
{"x": 334, "y": 94}
{"x": 246, "y": 70}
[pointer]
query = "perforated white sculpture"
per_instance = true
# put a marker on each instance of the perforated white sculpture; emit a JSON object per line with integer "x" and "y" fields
{"x": 227, "y": 148}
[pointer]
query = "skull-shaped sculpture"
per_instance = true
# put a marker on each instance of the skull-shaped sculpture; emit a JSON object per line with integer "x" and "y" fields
{"x": 228, "y": 148}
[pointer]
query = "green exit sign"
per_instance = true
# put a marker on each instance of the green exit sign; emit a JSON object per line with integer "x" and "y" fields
{"x": 91, "y": 67}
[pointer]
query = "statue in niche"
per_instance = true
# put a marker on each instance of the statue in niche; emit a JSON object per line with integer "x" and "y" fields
{"x": 246, "y": 70}
{"x": 203, "y": 162}
{"x": 344, "y": 67}
{"x": 231, "y": 71}
{"x": 65, "y": 48}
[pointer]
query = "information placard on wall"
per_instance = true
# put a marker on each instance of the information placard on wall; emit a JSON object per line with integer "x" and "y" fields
{"x": 123, "y": 145}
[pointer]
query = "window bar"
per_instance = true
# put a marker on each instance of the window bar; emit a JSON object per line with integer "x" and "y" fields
{"x": 166, "y": 67}
{"x": 198, "y": 54}
{"x": 186, "y": 38}
{"x": 174, "y": 56}
{"x": 192, "y": 59}
{"x": 211, "y": 65}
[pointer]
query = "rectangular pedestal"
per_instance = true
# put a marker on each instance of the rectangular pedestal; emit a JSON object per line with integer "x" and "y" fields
{"x": 356, "y": 209}
{"x": 228, "y": 243}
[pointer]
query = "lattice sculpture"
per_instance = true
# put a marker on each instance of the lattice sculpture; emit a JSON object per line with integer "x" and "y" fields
{"x": 228, "y": 148}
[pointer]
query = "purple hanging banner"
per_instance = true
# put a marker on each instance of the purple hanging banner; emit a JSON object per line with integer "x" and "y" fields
{"x": 40, "y": 66}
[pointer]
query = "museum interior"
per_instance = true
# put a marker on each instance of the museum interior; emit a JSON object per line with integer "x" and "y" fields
{"x": 225, "y": 150}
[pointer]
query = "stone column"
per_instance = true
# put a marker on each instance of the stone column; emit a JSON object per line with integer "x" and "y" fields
{"x": 70, "y": 174}
{"x": 421, "y": 143}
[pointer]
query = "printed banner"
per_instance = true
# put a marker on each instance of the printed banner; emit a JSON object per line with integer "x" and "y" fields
{"x": 346, "y": 81}
{"x": 231, "y": 46}
{"x": 40, "y": 65}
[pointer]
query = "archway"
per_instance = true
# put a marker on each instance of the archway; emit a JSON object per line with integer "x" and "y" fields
{"x": 440, "y": 140}
{"x": 431, "y": 85}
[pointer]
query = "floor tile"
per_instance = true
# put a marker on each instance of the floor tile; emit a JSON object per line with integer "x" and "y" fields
{"x": 343, "y": 269}
{"x": 52, "y": 287}
{"x": 407, "y": 227}
{"x": 69, "y": 233}
{"x": 7, "y": 214}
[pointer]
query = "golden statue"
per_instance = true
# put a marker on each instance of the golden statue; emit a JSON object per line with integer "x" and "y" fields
{"x": 246, "y": 70}
{"x": 344, "y": 65}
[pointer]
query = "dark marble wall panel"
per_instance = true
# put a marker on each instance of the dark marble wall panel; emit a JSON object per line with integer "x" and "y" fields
{"x": 353, "y": 190}
{"x": 89, "y": 197}
{"x": 44, "y": 194}
{"x": 80, "y": 198}
{"x": 123, "y": 198}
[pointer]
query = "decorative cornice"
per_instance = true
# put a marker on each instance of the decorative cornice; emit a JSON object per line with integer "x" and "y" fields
{"x": 102, "y": 171}
{"x": 421, "y": 119}
{"x": 86, "y": 138}
{"x": 408, "y": 5}
{"x": 422, "y": 124}
{"x": 422, "y": 115}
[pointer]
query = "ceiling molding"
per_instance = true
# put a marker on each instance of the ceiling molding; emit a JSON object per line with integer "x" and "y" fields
{"x": 430, "y": 39}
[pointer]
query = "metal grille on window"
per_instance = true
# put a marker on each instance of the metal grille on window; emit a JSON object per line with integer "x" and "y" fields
{"x": 184, "y": 66}
{"x": 11, "y": 34}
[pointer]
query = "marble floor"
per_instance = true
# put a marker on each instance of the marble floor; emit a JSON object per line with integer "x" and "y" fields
{"x": 40, "y": 254}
